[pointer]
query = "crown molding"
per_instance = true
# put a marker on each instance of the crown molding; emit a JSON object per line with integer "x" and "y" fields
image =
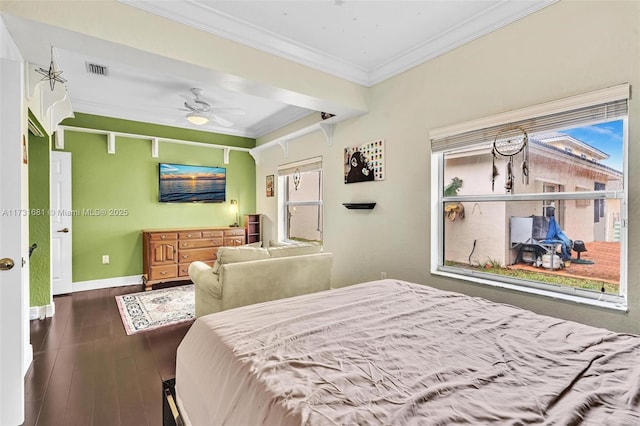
{"x": 466, "y": 31}
{"x": 206, "y": 18}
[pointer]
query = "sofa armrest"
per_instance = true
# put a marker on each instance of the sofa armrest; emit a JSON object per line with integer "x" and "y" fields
{"x": 208, "y": 291}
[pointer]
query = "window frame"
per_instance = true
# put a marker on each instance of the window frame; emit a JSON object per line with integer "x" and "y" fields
{"x": 283, "y": 203}
{"x": 437, "y": 265}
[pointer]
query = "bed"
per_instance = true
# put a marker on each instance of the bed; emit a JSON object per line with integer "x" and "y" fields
{"x": 393, "y": 352}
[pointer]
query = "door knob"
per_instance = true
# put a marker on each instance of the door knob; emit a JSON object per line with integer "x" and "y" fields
{"x": 6, "y": 264}
{"x": 65, "y": 230}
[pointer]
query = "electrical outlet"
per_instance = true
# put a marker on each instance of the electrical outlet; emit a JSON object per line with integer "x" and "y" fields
{"x": 105, "y": 259}
{"x": 383, "y": 275}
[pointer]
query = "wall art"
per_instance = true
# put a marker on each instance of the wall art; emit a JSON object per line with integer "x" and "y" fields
{"x": 270, "y": 190}
{"x": 364, "y": 163}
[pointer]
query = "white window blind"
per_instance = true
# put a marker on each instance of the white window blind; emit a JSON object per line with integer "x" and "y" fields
{"x": 602, "y": 105}
{"x": 309, "y": 165}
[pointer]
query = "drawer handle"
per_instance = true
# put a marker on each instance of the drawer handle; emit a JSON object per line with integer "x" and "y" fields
{"x": 163, "y": 272}
{"x": 162, "y": 237}
{"x": 188, "y": 235}
{"x": 185, "y": 244}
{"x": 185, "y": 256}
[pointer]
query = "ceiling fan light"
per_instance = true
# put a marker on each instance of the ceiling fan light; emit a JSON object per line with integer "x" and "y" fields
{"x": 197, "y": 119}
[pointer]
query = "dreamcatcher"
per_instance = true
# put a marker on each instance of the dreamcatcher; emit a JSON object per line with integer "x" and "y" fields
{"x": 508, "y": 143}
{"x": 296, "y": 179}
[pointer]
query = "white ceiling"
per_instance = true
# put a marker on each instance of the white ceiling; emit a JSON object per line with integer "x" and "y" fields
{"x": 361, "y": 41}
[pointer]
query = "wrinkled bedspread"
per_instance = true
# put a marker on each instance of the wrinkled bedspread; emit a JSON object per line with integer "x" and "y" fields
{"x": 391, "y": 352}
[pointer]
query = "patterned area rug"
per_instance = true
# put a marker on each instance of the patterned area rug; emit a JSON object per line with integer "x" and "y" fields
{"x": 153, "y": 309}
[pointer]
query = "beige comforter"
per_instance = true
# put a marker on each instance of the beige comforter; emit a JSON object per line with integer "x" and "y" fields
{"x": 391, "y": 352}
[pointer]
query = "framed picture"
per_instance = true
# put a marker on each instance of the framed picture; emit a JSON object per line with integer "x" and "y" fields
{"x": 364, "y": 162}
{"x": 25, "y": 156}
{"x": 270, "y": 188}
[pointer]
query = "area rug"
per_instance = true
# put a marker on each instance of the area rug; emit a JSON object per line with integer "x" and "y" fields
{"x": 149, "y": 310}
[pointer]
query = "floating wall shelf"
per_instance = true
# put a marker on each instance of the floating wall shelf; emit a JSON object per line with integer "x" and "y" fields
{"x": 359, "y": 206}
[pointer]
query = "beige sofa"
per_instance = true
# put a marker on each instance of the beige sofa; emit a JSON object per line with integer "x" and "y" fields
{"x": 247, "y": 275}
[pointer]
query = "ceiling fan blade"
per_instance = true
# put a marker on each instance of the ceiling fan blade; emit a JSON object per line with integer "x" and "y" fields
{"x": 190, "y": 105}
{"x": 229, "y": 111}
{"x": 221, "y": 121}
{"x": 201, "y": 105}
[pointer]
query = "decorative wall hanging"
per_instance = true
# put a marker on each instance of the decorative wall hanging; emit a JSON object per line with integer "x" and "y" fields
{"x": 270, "y": 190}
{"x": 364, "y": 163}
{"x": 296, "y": 178}
{"x": 51, "y": 74}
{"x": 508, "y": 143}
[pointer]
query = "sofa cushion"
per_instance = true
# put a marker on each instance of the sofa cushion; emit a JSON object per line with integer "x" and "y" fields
{"x": 256, "y": 244}
{"x": 295, "y": 250}
{"x": 273, "y": 243}
{"x": 239, "y": 254}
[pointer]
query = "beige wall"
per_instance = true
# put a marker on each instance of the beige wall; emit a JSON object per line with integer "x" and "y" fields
{"x": 537, "y": 59}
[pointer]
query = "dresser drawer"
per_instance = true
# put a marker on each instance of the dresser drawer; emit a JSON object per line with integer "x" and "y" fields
{"x": 183, "y": 269}
{"x": 213, "y": 234}
{"x": 190, "y": 235}
{"x": 234, "y": 232}
{"x": 234, "y": 241}
{"x": 161, "y": 272}
{"x": 197, "y": 254}
{"x": 162, "y": 236}
{"x": 209, "y": 242}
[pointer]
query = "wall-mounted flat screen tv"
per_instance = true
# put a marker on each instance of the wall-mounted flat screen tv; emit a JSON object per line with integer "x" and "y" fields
{"x": 181, "y": 183}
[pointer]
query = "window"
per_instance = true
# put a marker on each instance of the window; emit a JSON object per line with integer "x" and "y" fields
{"x": 520, "y": 234}
{"x": 300, "y": 201}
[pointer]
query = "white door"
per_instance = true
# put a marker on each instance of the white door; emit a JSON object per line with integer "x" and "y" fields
{"x": 13, "y": 294}
{"x": 60, "y": 203}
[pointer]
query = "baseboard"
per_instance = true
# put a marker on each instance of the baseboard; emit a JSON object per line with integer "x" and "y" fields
{"x": 47, "y": 311}
{"x": 106, "y": 283}
{"x": 41, "y": 312}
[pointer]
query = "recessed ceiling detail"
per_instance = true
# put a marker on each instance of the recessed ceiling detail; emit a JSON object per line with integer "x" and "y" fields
{"x": 361, "y": 41}
{"x": 364, "y": 42}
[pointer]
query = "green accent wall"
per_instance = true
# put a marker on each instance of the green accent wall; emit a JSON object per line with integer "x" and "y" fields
{"x": 39, "y": 221}
{"x": 115, "y": 196}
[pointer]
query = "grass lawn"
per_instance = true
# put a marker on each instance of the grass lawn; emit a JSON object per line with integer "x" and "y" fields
{"x": 544, "y": 277}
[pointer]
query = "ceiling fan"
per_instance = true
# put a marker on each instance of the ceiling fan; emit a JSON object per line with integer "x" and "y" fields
{"x": 200, "y": 112}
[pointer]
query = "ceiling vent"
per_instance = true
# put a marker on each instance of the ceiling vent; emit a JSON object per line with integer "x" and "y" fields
{"x": 97, "y": 69}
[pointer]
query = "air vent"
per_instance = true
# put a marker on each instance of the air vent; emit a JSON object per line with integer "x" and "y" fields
{"x": 97, "y": 69}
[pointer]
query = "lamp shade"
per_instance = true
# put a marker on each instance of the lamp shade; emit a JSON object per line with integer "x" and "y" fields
{"x": 234, "y": 208}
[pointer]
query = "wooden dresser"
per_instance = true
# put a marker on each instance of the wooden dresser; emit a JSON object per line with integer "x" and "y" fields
{"x": 167, "y": 253}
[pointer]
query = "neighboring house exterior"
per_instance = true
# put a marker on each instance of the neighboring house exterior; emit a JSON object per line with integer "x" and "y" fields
{"x": 557, "y": 163}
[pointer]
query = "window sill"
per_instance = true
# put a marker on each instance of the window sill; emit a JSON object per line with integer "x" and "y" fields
{"x": 615, "y": 303}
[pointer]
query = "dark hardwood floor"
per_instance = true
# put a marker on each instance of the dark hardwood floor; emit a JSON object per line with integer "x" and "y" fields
{"x": 87, "y": 371}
